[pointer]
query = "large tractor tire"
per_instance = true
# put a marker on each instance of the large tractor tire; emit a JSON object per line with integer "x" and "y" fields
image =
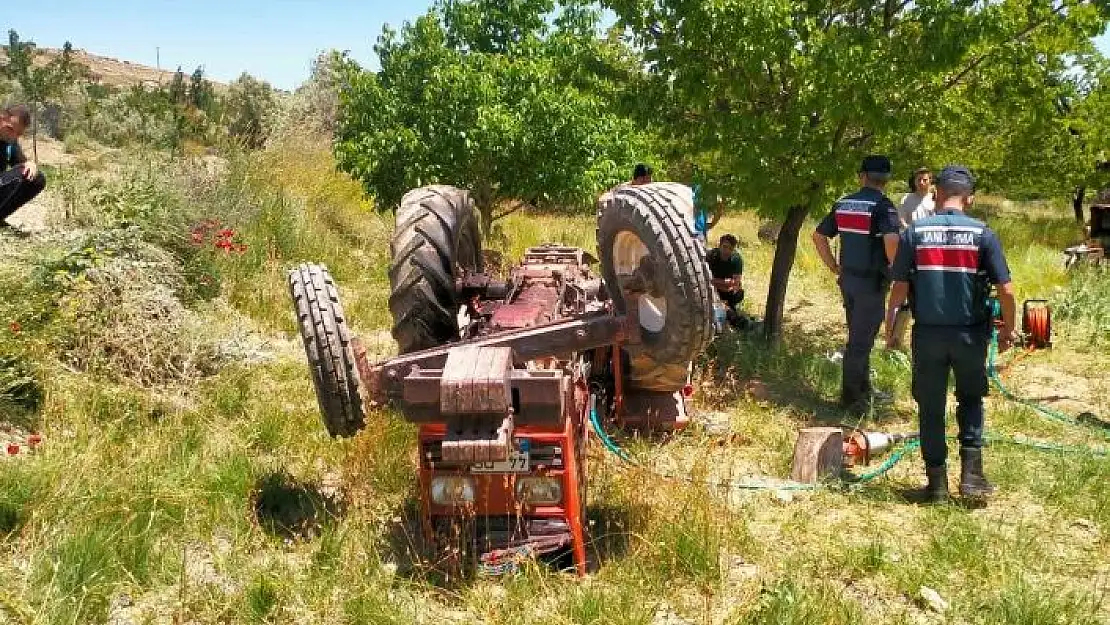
{"x": 436, "y": 238}
{"x": 327, "y": 342}
{"x": 645, "y": 234}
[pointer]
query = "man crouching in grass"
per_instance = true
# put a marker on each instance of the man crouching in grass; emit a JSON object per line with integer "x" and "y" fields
{"x": 20, "y": 179}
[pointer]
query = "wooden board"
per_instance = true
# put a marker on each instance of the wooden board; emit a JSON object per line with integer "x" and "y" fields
{"x": 476, "y": 381}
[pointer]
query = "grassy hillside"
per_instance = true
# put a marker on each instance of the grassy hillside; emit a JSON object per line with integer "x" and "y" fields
{"x": 184, "y": 475}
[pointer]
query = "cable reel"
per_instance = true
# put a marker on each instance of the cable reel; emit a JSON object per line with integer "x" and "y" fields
{"x": 1036, "y": 321}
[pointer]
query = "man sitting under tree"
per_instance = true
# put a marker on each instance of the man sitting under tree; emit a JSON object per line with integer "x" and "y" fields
{"x": 20, "y": 179}
{"x": 727, "y": 267}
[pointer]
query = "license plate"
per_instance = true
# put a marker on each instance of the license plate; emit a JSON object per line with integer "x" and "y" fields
{"x": 517, "y": 463}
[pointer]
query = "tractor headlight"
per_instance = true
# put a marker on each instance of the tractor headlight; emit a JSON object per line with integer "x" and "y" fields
{"x": 452, "y": 490}
{"x": 539, "y": 490}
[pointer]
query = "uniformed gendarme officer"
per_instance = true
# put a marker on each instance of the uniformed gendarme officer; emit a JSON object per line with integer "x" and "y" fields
{"x": 867, "y": 223}
{"x": 948, "y": 262}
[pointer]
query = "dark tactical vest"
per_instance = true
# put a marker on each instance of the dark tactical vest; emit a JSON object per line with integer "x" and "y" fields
{"x": 949, "y": 287}
{"x": 861, "y": 250}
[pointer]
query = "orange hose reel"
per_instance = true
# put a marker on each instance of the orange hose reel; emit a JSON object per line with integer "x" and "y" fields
{"x": 1036, "y": 323}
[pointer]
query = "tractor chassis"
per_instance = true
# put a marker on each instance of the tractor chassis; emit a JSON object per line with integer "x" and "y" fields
{"x": 504, "y": 416}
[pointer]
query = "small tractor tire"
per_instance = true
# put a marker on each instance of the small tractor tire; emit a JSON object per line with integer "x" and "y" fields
{"x": 436, "y": 237}
{"x": 648, "y": 225}
{"x": 327, "y": 343}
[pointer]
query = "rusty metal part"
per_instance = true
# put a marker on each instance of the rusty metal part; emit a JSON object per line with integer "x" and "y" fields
{"x": 471, "y": 440}
{"x": 518, "y": 315}
{"x": 475, "y": 381}
{"x": 861, "y": 447}
{"x": 538, "y": 397}
{"x": 384, "y": 382}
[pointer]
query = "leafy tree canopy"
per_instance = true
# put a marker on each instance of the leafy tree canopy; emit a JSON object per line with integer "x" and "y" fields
{"x": 782, "y": 98}
{"x": 511, "y": 99}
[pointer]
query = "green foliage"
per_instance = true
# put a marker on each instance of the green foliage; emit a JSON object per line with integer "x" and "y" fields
{"x": 495, "y": 97}
{"x": 17, "y": 489}
{"x": 1024, "y": 603}
{"x": 40, "y": 82}
{"x": 201, "y": 94}
{"x": 263, "y": 597}
{"x": 790, "y": 602}
{"x": 1047, "y": 129}
{"x": 249, "y": 107}
{"x": 597, "y": 605}
{"x": 20, "y": 388}
{"x": 313, "y": 110}
{"x": 1086, "y": 304}
{"x": 782, "y": 121}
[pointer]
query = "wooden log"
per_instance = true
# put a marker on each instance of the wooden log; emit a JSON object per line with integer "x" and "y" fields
{"x": 818, "y": 453}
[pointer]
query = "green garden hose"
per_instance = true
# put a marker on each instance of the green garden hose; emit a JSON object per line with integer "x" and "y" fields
{"x": 992, "y": 371}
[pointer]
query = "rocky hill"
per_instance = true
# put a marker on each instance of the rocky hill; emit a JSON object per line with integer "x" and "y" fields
{"x": 109, "y": 71}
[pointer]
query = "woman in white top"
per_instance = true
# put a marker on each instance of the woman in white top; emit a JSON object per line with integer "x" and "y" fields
{"x": 918, "y": 203}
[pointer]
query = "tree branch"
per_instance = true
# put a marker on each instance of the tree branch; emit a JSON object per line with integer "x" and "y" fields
{"x": 519, "y": 205}
{"x": 838, "y": 136}
{"x": 971, "y": 67}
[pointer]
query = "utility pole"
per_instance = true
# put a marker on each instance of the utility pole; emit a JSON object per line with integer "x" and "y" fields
{"x": 158, "y": 57}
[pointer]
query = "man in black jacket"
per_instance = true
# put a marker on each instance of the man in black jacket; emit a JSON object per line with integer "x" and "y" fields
{"x": 20, "y": 179}
{"x": 867, "y": 224}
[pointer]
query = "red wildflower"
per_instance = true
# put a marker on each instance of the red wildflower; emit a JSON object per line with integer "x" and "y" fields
{"x": 227, "y": 233}
{"x": 13, "y": 449}
{"x": 15, "y": 327}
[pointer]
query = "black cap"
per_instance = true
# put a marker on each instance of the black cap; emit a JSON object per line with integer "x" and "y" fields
{"x": 641, "y": 171}
{"x": 876, "y": 165}
{"x": 956, "y": 178}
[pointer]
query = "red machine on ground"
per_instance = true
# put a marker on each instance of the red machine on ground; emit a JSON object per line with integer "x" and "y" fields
{"x": 504, "y": 374}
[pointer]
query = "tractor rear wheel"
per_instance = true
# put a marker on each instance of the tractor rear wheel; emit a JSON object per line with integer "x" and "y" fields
{"x": 327, "y": 342}
{"x": 646, "y": 244}
{"x": 436, "y": 238}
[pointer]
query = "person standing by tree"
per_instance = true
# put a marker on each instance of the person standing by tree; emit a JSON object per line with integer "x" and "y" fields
{"x": 950, "y": 260}
{"x": 867, "y": 223}
{"x": 20, "y": 179}
{"x": 917, "y": 204}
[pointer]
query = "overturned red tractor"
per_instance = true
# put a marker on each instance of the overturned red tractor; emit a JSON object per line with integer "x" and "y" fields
{"x": 504, "y": 374}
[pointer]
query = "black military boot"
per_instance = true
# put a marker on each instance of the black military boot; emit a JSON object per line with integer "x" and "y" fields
{"x": 936, "y": 491}
{"x": 973, "y": 484}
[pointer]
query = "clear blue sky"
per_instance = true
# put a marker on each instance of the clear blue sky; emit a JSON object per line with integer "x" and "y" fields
{"x": 275, "y": 40}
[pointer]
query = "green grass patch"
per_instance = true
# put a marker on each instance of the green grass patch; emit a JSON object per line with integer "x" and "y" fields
{"x": 792, "y": 602}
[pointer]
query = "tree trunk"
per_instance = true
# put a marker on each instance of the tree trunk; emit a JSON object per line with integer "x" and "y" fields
{"x": 485, "y": 212}
{"x": 786, "y": 247}
{"x": 818, "y": 453}
{"x": 1077, "y": 203}
{"x": 482, "y": 194}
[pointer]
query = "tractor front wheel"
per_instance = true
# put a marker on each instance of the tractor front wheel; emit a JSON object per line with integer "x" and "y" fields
{"x": 327, "y": 343}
